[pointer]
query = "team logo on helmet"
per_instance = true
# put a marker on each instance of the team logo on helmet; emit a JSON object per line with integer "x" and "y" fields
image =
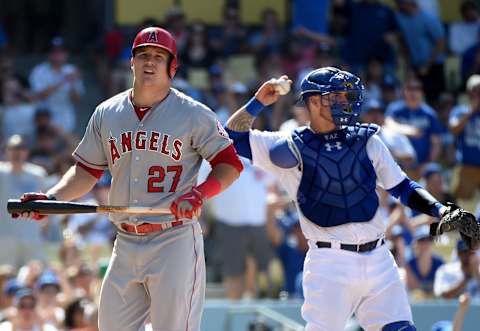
{"x": 348, "y": 85}
{"x": 152, "y": 37}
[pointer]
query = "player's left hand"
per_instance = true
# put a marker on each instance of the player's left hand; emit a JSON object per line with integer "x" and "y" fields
{"x": 267, "y": 94}
{"x": 188, "y": 205}
{"x": 32, "y": 214}
{"x": 456, "y": 218}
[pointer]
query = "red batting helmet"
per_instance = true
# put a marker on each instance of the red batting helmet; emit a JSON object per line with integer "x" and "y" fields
{"x": 158, "y": 37}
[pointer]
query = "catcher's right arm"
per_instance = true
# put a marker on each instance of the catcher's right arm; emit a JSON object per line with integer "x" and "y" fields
{"x": 456, "y": 218}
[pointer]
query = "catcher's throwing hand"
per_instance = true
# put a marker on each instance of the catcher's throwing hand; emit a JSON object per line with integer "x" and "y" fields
{"x": 32, "y": 214}
{"x": 188, "y": 205}
{"x": 456, "y": 218}
{"x": 268, "y": 93}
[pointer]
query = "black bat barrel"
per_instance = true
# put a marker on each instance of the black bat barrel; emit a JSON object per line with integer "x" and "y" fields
{"x": 49, "y": 207}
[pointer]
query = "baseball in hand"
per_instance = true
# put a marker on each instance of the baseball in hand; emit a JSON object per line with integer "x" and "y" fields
{"x": 282, "y": 86}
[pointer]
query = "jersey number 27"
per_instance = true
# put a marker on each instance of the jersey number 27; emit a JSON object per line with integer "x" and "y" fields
{"x": 157, "y": 177}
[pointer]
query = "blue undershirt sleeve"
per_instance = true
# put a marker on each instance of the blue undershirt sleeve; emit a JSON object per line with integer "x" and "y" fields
{"x": 403, "y": 190}
{"x": 241, "y": 141}
{"x": 413, "y": 195}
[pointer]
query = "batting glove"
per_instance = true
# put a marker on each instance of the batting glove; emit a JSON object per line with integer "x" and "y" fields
{"x": 188, "y": 205}
{"x": 29, "y": 197}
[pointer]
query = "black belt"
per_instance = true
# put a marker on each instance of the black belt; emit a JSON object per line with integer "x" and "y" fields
{"x": 367, "y": 247}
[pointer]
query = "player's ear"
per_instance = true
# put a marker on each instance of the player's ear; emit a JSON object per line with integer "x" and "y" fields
{"x": 131, "y": 62}
{"x": 314, "y": 101}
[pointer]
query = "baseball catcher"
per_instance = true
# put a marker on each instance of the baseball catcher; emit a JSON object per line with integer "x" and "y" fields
{"x": 331, "y": 168}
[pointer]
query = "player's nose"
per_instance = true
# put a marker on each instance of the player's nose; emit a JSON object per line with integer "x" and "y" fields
{"x": 149, "y": 60}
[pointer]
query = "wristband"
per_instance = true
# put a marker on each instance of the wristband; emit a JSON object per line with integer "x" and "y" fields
{"x": 254, "y": 107}
{"x": 436, "y": 209}
{"x": 210, "y": 187}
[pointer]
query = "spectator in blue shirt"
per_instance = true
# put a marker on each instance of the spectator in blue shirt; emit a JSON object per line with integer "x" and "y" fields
{"x": 231, "y": 38}
{"x": 283, "y": 230}
{"x": 471, "y": 61}
{"x": 423, "y": 265}
{"x": 271, "y": 36}
{"x": 311, "y": 15}
{"x": 419, "y": 122}
{"x": 464, "y": 34}
{"x": 3, "y": 37}
{"x": 424, "y": 38}
{"x": 465, "y": 126}
{"x": 372, "y": 28}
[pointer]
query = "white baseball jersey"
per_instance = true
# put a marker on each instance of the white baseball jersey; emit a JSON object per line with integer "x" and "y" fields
{"x": 338, "y": 283}
{"x": 388, "y": 173}
{"x": 155, "y": 160}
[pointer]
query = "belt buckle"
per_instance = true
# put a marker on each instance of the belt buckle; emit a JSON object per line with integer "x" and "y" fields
{"x": 358, "y": 248}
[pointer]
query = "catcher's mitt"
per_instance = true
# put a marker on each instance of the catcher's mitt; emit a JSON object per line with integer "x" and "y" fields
{"x": 456, "y": 218}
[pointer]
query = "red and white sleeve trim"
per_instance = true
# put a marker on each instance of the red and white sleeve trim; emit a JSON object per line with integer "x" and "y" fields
{"x": 229, "y": 156}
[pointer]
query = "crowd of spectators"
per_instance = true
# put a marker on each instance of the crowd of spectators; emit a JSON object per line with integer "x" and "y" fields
{"x": 422, "y": 81}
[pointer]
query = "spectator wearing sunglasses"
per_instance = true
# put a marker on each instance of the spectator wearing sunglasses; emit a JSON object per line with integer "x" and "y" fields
{"x": 26, "y": 318}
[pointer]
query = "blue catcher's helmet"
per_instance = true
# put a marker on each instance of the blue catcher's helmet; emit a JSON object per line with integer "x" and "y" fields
{"x": 329, "y": 80}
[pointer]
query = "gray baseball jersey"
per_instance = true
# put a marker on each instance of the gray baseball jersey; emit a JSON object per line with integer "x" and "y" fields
{"x": 153, "y": 161}
{"x": 160, "y": 276}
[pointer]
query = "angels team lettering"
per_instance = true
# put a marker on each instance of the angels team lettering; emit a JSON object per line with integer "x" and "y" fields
{"x": 145, "y": 141}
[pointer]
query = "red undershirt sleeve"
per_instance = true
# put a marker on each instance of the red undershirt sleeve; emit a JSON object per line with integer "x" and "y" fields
{"x": 229, "y": 156}
{"x": 94, "y": 172}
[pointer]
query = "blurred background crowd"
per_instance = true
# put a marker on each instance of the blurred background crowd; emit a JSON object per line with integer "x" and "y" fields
{"x": 419, "y": 60}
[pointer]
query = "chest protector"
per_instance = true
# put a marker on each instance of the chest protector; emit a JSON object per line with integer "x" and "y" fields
{"x": 338, "y": 179}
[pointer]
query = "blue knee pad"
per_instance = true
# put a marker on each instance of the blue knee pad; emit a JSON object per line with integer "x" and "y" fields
{"x": 399, "y": 326}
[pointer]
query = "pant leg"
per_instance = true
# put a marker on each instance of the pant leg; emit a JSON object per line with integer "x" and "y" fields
{"x": 328, "y": 289}
{"x": 233, "y": 245}
{"x": 386, "y": 298}
{"x": 124, "y": 303}
{"x": 175, "y": 279}
{"x": 260, "y": 247}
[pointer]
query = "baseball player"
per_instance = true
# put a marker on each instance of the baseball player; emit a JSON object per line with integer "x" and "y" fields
{"x": 331, "y": 169}
{"x": 152, "y": 138}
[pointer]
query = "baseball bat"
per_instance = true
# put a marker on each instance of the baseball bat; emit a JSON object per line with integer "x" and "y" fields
{"x": 53, "y": 207}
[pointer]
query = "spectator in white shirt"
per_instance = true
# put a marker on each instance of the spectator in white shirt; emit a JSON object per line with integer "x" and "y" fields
{"x": 21, "y": 241}
{"x": 300, "y": 118}
{"x": 17, "y": 110}
{"x": 460, "y": 276}
{"x": 240, "y": 213}
{"x": 464, "y": 34}
{"x": 57, "y": 85}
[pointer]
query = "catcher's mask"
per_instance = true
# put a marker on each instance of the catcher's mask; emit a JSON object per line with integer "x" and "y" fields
{"x": 341, "y": 90}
